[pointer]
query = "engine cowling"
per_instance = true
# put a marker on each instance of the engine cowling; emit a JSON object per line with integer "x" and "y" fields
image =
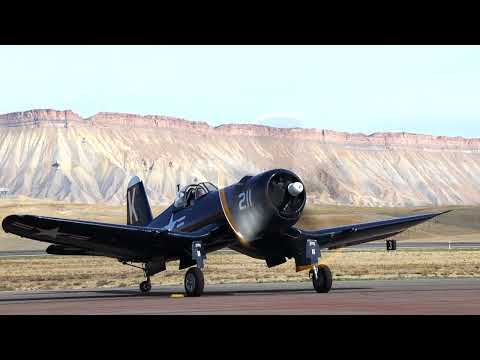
{"x": 268, "y": 202}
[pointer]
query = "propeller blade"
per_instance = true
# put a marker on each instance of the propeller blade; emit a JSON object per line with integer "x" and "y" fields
{"x": 268, "y": 202}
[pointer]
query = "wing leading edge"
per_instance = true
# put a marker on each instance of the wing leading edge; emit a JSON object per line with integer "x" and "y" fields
{"x": 354, "y": 234}
{"x": 119, "y": 241}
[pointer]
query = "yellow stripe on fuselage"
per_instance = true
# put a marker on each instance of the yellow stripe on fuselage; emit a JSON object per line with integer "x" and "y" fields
{"x": 229, "y": 217}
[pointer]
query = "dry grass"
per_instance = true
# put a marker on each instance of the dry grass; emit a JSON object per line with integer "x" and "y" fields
{"x": 52, "y": 272}
{"x": 55, "y": 272}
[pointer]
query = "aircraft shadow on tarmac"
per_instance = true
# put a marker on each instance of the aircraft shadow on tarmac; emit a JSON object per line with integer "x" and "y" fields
{"x": 156, "y": 292}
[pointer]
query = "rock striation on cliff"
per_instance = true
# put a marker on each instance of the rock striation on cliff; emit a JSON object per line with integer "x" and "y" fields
{"x": 59, "y": 155}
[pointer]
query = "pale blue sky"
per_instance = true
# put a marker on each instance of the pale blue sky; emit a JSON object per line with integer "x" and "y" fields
{"x": 423, "y": 89}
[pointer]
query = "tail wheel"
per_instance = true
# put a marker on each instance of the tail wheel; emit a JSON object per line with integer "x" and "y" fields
{"x": 145, "y": 286}
{"x": 323, "y": 282}
{"x": 194, "y": 282}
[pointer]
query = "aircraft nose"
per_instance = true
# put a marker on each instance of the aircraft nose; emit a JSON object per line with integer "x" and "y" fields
{"x": 295, "y": 188}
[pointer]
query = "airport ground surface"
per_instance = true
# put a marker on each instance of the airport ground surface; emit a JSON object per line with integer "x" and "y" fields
{"x": 412, "y": 296}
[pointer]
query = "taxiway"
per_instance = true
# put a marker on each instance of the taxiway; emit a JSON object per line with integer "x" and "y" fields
{"x": 419, "y": 296}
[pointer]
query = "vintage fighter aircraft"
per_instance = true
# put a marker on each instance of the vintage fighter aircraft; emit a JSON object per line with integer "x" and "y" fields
{"x": 255, "y": 216}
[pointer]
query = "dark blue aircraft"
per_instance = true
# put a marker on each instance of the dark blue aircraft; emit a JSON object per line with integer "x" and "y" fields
{"x": 255, "y": 216}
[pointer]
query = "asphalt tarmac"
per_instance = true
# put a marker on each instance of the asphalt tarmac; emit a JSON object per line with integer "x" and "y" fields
{"x": 419, "y": 296}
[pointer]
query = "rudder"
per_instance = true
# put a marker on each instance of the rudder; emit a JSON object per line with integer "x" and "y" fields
{"x": 138, "y": 208}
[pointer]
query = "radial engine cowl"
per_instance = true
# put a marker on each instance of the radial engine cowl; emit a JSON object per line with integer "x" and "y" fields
{"x": 268, "y": 202}
{"x": 286, "y": 193}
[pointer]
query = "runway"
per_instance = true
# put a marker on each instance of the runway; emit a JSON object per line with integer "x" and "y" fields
{"x": 420, "y": 296}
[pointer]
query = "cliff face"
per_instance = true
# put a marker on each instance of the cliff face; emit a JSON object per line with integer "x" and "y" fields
{"x": 59, "y": 155}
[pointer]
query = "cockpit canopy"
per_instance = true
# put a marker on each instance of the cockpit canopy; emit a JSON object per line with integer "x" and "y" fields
{"x": 191, "y": 193}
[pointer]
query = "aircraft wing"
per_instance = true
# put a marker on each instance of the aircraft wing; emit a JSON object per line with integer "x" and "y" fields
{"x": 94, "y": 238}
{"x": 348, "y": 235}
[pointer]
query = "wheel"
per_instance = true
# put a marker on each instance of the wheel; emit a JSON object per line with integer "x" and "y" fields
{"x": 145, "y": 286}
{"x": 194, "y": 282}
{"x": 323, "y": 283}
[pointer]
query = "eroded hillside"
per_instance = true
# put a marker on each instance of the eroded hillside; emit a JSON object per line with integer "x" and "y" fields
{"x": 58, "y": 155}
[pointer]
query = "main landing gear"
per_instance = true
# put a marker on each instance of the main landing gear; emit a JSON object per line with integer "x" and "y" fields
{"x": 322, "y": 280}
{"x": 194, "y": 281}
{"x": 320, "y": 274}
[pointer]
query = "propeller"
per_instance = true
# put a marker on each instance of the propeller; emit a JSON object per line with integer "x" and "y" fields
{"x": 270, "y": 201}
{"x": 264, "y": 201}
{"x": 253, "y": 205}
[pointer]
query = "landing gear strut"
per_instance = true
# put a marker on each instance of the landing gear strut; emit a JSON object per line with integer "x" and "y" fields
{"x": 320, "y": 274}
{"x": 194, "y": 281}
{"x": 145, "y": 286}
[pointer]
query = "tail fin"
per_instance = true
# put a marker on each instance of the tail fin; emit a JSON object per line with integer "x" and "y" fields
{"x": 138, "y": 208}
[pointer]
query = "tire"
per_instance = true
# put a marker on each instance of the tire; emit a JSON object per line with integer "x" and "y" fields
{"x": 145, "y": 287}
{"x": 194, "y": 282}
{"x": 323, "y": 283}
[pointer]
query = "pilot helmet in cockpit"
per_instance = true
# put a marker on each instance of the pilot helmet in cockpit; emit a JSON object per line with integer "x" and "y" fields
{"x": 199, "y": 192}
{"x": 180, "y": 199}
